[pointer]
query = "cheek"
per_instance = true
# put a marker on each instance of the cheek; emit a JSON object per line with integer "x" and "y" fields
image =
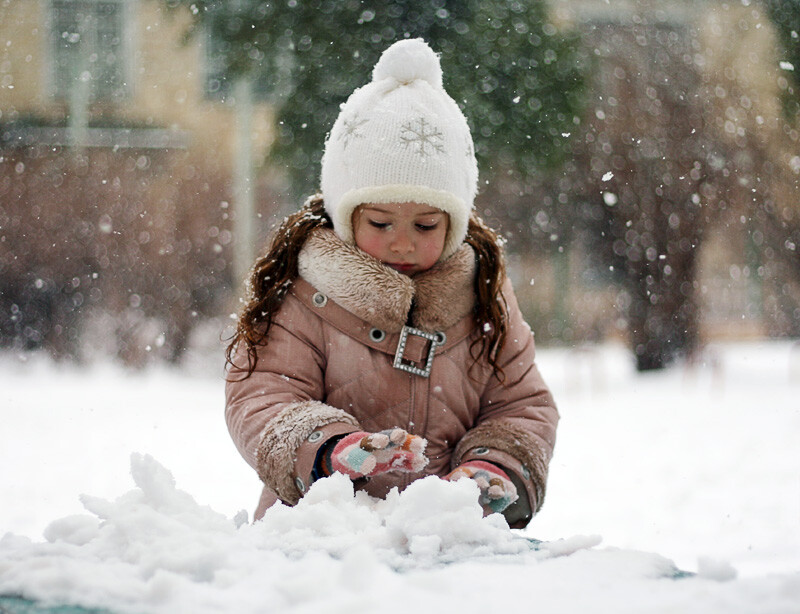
{"x": 369, "y": 242}
{"x": 434, "y": 246}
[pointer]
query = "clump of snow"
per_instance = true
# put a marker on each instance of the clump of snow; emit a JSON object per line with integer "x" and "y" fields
{"x": 432, "y": 522}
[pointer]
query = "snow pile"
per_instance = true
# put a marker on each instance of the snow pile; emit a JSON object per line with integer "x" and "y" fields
{"x": 155, "y": 550}
{"x": 696, "y": 464}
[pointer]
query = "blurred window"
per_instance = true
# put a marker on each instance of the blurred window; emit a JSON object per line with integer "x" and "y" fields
{"x": 89, "y": 43}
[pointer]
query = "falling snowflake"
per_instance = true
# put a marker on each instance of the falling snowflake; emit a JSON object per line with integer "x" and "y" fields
{"x": 425, "y": 136}
{"x": 351, "y": 129}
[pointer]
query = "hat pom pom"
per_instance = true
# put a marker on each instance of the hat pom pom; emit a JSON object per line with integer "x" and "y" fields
{"x": 409, "y": 60}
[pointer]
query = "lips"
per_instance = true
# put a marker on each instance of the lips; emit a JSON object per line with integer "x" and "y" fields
{"x": 400, "y": 267}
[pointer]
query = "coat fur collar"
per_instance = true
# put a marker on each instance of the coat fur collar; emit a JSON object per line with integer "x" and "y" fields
{"x": 440, "y": 296}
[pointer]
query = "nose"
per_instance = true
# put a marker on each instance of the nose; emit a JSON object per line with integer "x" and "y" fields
{"x": 402, "y": 243}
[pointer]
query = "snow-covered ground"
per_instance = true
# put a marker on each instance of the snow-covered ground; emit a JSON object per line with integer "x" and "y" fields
{"x": 695, "y": 465}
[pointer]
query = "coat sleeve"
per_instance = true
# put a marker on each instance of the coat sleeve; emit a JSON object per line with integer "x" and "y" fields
{"x": 276, "y": 416}
{"x": 516, "y": 427}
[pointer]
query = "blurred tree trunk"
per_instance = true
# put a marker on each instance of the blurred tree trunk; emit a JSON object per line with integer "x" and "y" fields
{"x": 647, "y": 162}
{"x": 687, "y": 133}
{"x": 244, "y": 220}
{"x": 663, "y": 312}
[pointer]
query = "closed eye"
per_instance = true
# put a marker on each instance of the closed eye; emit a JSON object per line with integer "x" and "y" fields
{"x": 427, "y": 227}
{"x": 379, "y": 225}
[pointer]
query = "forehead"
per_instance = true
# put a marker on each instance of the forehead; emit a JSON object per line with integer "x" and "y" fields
{"x": 409, "y": 209}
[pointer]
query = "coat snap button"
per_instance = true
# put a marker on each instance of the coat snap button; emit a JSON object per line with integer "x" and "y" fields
{"x": 377, "y": 335}
{"x": 319, "y": 299}
{"x": 480, "y": 451}
{"x": 315, "y": 436}
{"x": 300, "y": 485}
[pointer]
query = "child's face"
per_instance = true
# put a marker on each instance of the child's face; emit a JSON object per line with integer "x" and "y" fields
{"x": 408, "y": 237}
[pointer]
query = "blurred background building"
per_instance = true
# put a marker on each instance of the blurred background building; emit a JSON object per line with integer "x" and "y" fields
{"x": 642, "y": 159}
{"x": 118, "y": 151}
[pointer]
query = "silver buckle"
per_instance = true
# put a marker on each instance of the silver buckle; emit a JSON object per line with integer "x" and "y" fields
{"x": 436, "y": 340}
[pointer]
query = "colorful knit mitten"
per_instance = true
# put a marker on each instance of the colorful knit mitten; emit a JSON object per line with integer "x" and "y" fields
{"x": 364, "y": 454}
{"x": 497, "y": 489}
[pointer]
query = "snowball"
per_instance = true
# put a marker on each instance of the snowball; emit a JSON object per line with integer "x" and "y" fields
{"x": 409, "y": 60}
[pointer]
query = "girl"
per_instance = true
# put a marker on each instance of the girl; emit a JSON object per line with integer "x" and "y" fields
{"x": 382, "y": 338}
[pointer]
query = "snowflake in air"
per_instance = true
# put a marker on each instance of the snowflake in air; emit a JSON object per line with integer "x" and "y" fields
{"x": 351, "y": 129}
{"x": 426, "y": 137}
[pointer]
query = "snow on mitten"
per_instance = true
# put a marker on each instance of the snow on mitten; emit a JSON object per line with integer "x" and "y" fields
{"x": 497, "y": 489}
{"x": 364, "y": 454}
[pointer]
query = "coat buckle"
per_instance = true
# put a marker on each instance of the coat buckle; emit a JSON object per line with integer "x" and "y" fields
{"x": 436, "y": 339}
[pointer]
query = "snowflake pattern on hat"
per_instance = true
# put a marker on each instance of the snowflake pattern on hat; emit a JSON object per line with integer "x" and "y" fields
{"x": 427, "y": 137}
{"x": 351, "y": 129}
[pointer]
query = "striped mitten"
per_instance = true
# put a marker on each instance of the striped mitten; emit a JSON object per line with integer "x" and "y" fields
{"x": 364, "y": 454}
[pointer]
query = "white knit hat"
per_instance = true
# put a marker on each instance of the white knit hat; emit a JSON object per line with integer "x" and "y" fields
{"x": 401, "y": 138}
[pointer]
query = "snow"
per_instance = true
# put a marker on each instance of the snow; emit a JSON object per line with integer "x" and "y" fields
{"x": 696, "y": 466}
{"x": 610, "y": 198}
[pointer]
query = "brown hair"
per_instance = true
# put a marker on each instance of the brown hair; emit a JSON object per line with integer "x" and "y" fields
{"x": 274, "y": 272}
{"x": 491, "y": 309}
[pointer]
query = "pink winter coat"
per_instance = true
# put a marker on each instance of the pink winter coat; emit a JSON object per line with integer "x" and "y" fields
{"x": 328, "y": 369}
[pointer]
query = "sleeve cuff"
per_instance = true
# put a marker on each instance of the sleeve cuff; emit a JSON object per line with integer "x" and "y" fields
{"x": 289, "y": 445}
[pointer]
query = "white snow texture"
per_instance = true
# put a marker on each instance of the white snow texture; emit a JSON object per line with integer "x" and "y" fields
{"x": 679, "y": 451}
